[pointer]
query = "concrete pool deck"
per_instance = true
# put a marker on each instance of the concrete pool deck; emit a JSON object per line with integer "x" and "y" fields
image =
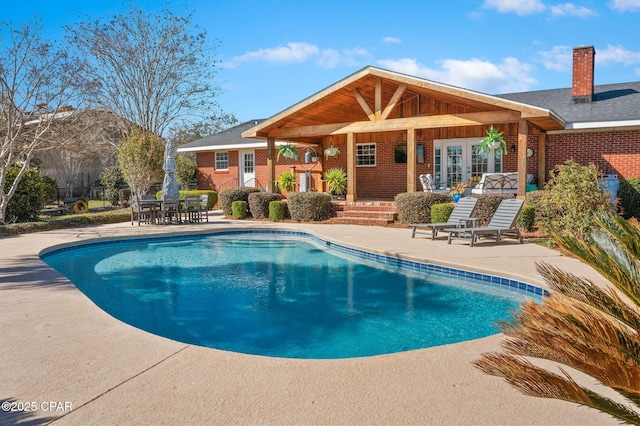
{"x": 66, "y": 361}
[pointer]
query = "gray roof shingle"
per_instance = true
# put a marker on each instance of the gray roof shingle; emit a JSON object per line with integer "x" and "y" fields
{"x": 230, "y": 136}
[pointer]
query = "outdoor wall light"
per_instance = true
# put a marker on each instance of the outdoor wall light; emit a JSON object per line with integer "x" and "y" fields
{"x": 513, "y": 148}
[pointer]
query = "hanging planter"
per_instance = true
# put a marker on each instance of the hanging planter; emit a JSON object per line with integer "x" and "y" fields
{"x": 493, "y": 141}
{"x": 287, "y": 151}
{"x": 331, "y": 151}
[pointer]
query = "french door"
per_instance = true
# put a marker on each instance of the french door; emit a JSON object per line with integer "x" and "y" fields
{"x": 458, "y": 160}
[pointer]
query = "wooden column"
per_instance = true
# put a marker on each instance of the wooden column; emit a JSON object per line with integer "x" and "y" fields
{"x": 523, "y": 131}
{"x": 411, "y": 160}
{"x": 271, "y": 165}
{"x": 351, "y": 167}
{"x": 542, "y": 160}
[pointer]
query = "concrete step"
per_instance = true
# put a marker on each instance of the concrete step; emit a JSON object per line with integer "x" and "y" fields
{"x": 361, "y": 221}
{"x": 382, "y": 214}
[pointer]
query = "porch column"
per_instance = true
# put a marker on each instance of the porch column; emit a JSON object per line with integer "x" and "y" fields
{"x": 271, "y": 165}
{"x": 523, "y": 131}
{"x": 411, "y": 160}
{"x": 351, "y": 168}
{"x": 542, "y": 159}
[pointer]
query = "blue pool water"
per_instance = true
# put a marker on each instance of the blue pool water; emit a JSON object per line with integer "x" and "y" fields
{"x": 281, "y": 296}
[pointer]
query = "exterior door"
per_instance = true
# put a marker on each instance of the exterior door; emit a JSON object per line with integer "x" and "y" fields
{"x": 248, "y": 169}
{"x": 458, "y": 160}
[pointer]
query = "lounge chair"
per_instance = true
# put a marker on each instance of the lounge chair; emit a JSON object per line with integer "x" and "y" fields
{"x": 502, "y": 222}
{"x": 459, "y": 216}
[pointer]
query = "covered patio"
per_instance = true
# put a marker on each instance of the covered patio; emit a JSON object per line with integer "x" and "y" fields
{"x": 390, "y": 128}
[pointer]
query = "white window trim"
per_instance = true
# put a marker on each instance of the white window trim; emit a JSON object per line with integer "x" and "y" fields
{"x": 215, "y": 160}
{"x": 375, "y": 157}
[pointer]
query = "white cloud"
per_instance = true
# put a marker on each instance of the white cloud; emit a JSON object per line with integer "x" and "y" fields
{"x": 390, "y": 40}
{"x": 291, "y": 53}
{"x": 617, "y": 55}
{"x": 519, "y": 7}
{"x": 625, "y": 5}
{"x": 299, "y": 53}
{"x": 570, "y": 9}
{"x": 509, "y": 76}
{"x": 557, "y": 59}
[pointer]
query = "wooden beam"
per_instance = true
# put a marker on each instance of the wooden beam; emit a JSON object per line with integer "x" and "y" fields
{"x": 523, "y": 131}
{"x": 542, "y": 159}
{"x": 363, "y": 104}
{"x": 351, "y": 168}
{"x": 394, "y": 101}
{"x": 417, "y": 122}
{"x": 411, "y": 160}
{"x": 378, "y": 98}
{"x": 271, "y": 165}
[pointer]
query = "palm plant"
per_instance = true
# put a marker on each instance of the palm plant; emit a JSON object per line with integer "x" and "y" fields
{"x": 590, "y": 328}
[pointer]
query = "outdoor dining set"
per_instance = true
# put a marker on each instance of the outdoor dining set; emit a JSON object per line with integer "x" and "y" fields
{"x": 169, "y": 209}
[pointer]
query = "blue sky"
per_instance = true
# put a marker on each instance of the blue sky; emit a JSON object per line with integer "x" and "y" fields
{"x": 275, "y": 53}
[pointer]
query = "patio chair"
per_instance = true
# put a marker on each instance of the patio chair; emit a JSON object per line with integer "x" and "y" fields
{"x": 142, "y": 213}
{"x": 502, "y": 222}
{"x": 428, "y": 184}
{"x": 170, "y": 211}
{"x": 192, "y": 209}
{"x": 204, "y": 206}
{"x": 460, "y": 215}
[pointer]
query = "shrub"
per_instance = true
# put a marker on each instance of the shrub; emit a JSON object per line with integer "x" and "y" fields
{"x": 570, "y": 199}
{"x": 230, "y": 195}
{"x": 287, "y": 181}
{"x": 487, "y": 205}
{"x": 259, "y": 203}
{"x": 629, "y": 195}
{"x": 440, "y": 212}
{"x": 124, "y": 195}
{"x": 415, "y": 207}
{"x": 50, "y": 188}
{"x": 309, "y": 206}
{"x": 336, "y": 179}
{"x": 526, "y": 218}
{"x": 276, "y": 211}
{"x": 28, "y": 200}
{"x": 239, "y": 209}
{"x": 112, "y": 180}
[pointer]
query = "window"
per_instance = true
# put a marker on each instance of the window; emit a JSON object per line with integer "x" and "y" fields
{"x": 366, "y": 154}
{"x": 222, "y": 161}
{"x": 400, "y": 153}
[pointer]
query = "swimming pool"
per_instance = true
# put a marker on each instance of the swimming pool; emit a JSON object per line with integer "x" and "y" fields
{"x": 286, "y": 294}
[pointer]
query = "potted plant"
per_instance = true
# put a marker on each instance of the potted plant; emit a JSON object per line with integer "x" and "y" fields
{"x": 493, "y": 140}
{"x": 287, "y": 151}
{"x": 287, "y": 182}
{"x": 336, "y": 179}
{"x": 331, "y": 151}
{"x": 457, "y": 191}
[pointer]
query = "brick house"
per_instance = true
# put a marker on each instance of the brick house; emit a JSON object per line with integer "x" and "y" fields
{"x": 391, "y": 127}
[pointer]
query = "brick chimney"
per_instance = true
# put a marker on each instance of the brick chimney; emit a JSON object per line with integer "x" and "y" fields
{"x": 583, "y": 65}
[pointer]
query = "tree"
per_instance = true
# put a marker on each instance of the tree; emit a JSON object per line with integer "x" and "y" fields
{"x": 37, "y": 81}
{"x": 590, "y": 328}
{"x": 186, "y": 132}
{"x": 186, "y": 172}
{"x": 152, "y": 70}
{"x": 141, "y": 158}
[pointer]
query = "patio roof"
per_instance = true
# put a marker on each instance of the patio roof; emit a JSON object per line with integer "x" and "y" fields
{"x": 364, "y": 102}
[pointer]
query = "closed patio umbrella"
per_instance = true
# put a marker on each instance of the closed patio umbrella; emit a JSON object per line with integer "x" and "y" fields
{"x": 170, "y": 184}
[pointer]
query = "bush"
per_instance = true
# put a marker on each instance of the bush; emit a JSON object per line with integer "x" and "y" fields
{"x": 124, "y": 195}
{"x": 259, "y": 203}
{"x": 239, "y": 209}
{"x": 526, "y": 218}
{"x": 570, "y": 199}
{"x": 50, "y": 189}
{"x": 629, "y": 195}
{"x": 276, "y": 211}
{"x": 415, "y": 207}
{"x": 309, "y": 206}
{"x": 440, "y": 212}
{"x": 51, "y": 223}
{"x": 487, "y": 205}
{"x": 112, "y": 180}
{"x": 230, "y": 195}
{"x": 28, "y": 200}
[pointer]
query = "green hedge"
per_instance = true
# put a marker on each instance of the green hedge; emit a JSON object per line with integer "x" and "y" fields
{"x": 115, "y": 216}
{"x": 276, "y": 211}
{"x": 230, "y": 195}
{"x": 526, "y": 218}
{"x": 213, "y": 195}
{"x": 629, "y": 195}
{"x": 259, "y": 203}
{"x": 27, "y": 201}
{"x": 309, "y": 206}
{"x": 239, "y": 209}
{"x": 415, "y": 207}
{"x": 440, "y": 212}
